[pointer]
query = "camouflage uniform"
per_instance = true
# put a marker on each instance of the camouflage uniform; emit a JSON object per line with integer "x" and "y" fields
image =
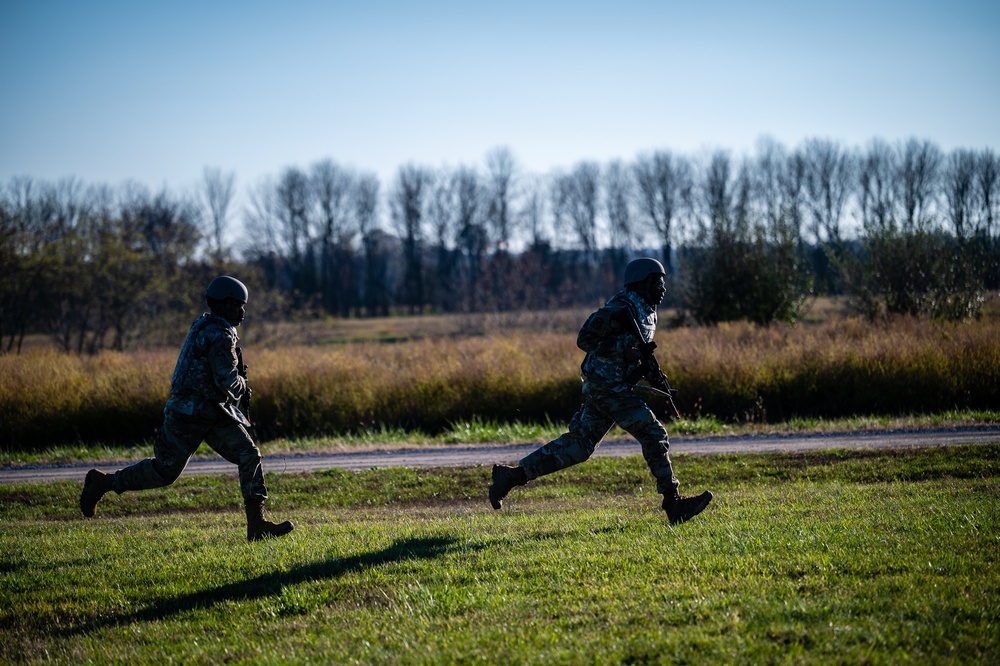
{"x": 205, "y": 393}
{"x": 607, "y": 398}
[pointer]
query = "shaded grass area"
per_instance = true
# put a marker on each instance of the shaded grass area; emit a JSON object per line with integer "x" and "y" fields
{"x": 733, "y": 374}
{"x": 833, "y": 557}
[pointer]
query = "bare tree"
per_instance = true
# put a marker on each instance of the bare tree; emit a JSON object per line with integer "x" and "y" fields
{"x": 576, "y": 202}
{"x": 261, "y": 247}
{"x": 501, "y": 170}
{"x": 167, "y": 225}
{"x": 779, "y": 183}
{"x": 332, "y": 186}
{"x": 262, "y": 237}
{"x": 137, "y": 257}
{"x": 743, "y": 213}
{"x": 745, "y": 263}
{"x": 576, "y": 205}
{"x": 959, "y": 184}
{"x": 877, "y": 194}
{"x": 471, "y": 236}
{"x": 376, "y": 282}
{"x": 717, "y": 192}
{"x": 532, "y": 214}
{"x": 501, "y": 285}
{"x": 663, "y": 185}
{"x": 28, "y": 272}
{"x": 441, "y": 212}
{"x": 988, "y": 191}
{"x": 829, "y": 183}
{"x": 293, "y": 203}
{"x": 216, "y": 197}
{"x": 407, "y": 206}
{"x": 919, "y": 166}
{"x": 537, "y": 263}
{"x": 907, "y": 265}
{"x": 988, "y": 208}
{"x": 366, "y": 203}
{"x": 619, "y": 189}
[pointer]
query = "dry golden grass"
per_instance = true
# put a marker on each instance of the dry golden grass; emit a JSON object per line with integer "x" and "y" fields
{"x": 501, "y": 370}
{"x": 843, "y": 367}
{"x": 423, "y": 383}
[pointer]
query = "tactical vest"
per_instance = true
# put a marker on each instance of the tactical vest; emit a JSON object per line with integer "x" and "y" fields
{"x": 200, "y": 388}
{"x": 605, "y": 336}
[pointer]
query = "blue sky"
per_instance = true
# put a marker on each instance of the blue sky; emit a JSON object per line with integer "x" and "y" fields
{"x": 156, "y": 91}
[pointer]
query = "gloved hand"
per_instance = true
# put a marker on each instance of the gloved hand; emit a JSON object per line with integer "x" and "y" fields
{"x": 637, "y": 353}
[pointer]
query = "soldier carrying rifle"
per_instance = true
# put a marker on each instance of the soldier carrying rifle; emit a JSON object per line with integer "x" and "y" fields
{"x": 618, "y": 340}
{"x": 206, "y": 392}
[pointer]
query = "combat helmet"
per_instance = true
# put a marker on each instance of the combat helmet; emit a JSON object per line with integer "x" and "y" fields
{"x": 224, "y": 287}
{"x": 639, "y": 269}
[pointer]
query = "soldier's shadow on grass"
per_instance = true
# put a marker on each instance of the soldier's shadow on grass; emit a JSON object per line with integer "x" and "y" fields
{"x": 271, "y": 584}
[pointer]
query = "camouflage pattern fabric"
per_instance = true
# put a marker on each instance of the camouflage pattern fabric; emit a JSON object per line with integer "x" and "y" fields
{"x": 177, "y": 441}
{"x": 207, "y": 379}
{"x": 607, "y": 400}
{"x": 205, "y": 391}
{"x": 605, "y": 337}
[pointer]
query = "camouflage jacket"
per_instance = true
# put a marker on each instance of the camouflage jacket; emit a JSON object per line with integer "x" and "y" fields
{"x": 208, "y": 376}
{"x": 605, "y": 337}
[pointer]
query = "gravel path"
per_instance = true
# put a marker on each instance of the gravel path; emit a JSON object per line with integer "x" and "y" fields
{"x": 462, "y": 456}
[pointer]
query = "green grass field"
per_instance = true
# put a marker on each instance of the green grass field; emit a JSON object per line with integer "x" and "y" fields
{"x": 881, "y": 557}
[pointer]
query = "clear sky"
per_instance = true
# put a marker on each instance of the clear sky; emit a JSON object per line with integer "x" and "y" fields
{"x": 110, "y": 91}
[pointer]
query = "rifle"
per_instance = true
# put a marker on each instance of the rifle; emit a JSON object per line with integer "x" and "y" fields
{"x": 649, "y": 368}
{"x": 241, "y": 369}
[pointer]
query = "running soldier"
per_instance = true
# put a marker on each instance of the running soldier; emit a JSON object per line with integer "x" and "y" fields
{"x": 614, "y": 353}
{"x": 207, "y": 388}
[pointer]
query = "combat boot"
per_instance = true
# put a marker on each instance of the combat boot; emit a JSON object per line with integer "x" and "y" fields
{"x": 680, "y": 509}
{"x": 95, "y": 486}
{"x": 505, "y": 478}
{"x": 258, "y": 528}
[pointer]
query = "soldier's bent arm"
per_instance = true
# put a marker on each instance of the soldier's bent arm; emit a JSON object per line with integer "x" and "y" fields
{"x": 225, "y": 367}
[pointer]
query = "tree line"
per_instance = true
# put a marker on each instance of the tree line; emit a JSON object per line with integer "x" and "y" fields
{"x": 899, "y": 228}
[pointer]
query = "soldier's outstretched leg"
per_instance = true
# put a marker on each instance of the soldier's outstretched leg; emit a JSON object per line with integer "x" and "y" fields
{"x": 571, "y": 448}
{"x": 586, "y": 429}
{"x": 505, "y": 478}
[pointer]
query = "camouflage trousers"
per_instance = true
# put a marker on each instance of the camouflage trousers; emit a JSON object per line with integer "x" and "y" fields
{"x": 602, "y": 408}
{"x": 179, "y": 438}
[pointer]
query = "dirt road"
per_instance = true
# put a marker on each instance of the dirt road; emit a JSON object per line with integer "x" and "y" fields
{"x": 461, "y": 456}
